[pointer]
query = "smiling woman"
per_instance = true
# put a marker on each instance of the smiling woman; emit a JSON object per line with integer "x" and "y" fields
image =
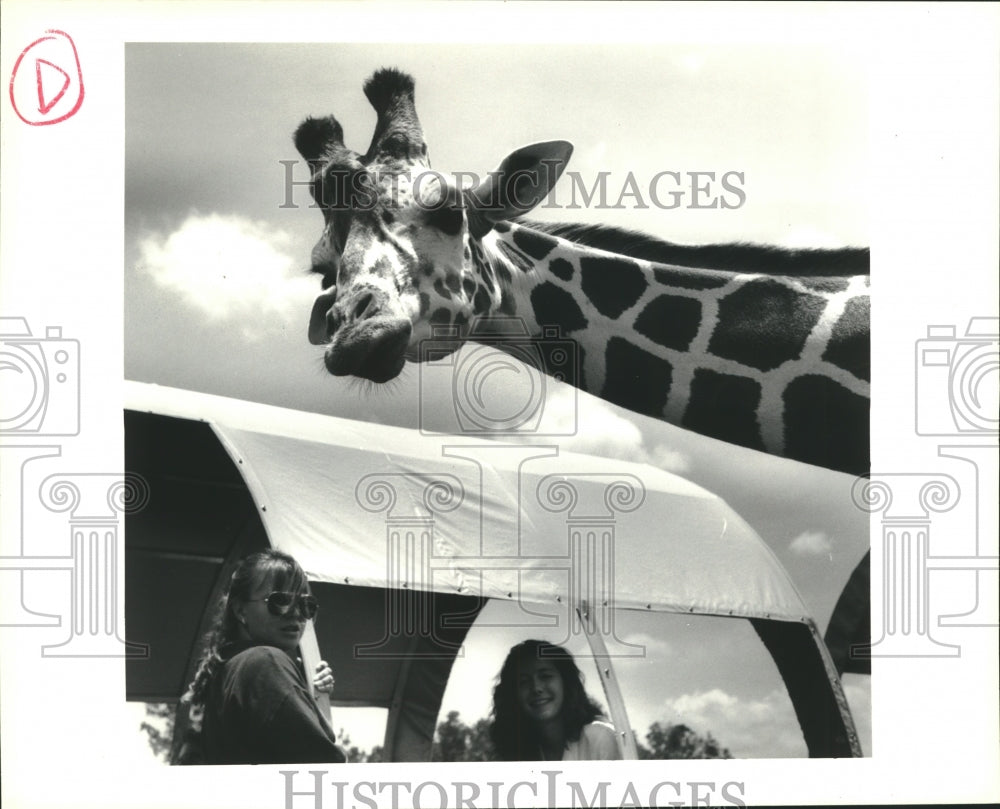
{"x": 542, "y": 712}
{"x": 250, "y": 703}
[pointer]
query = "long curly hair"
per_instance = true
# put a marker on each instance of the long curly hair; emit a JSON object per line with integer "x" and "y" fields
{"x": 515, "y": 737}
{"x": 276, "y": 567}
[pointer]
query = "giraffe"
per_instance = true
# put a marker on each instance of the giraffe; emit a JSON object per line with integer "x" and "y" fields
{"x": 751, "y": 345}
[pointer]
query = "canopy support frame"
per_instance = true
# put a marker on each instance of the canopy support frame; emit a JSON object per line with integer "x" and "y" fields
{"x": 311, "y": 657}
{"x": 612, "y": 689}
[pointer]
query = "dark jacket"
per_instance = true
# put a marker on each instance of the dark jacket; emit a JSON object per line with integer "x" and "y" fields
{"x": 259, "y": 710}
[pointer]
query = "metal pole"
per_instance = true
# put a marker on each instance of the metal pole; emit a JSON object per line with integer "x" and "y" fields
{"x": 612, "y": 690}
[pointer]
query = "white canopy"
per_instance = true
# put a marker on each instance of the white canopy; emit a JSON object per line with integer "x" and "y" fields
{"x": 497, "y": 519}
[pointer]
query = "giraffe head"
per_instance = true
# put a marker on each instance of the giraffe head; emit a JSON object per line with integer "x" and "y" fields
{"x": 401, "y": 246}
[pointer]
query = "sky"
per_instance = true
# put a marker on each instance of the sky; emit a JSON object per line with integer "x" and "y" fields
{"x": 217, "y": 296}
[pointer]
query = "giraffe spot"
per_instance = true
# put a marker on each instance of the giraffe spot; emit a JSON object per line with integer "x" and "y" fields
{"x": 468, "y": 287}
{"x": 554, "y": 306}
{"x": 440, "y": 317}
{"x": 691, "y": 279}
{"x": 383, "y": 268}
{"x": 611, "y": 284}
{"x": 537, "y": 245}
{"x": 439, "y": 288}
{"x": 425, "y": 303}
{"x": 461, "y": 319}
{"x": 764, "y": 324}
{"x": 824, "y": 284}
{"x": 479, "y": 258}
{"x": 670, "y": 321}
{"x": 453, "y": 282}
{"x": 501, "y": 227}
{"x": 561, "y": 268}
{"x": 482, "y": 301}
{"x": 635, "y": 379}
{"x": 827, "y": 425}
{"x": 387, "y": 216}
{"x": 467, "y": 253}
{"x": 508, "y": 306}
{"x": 560, "y": 359}
{"x": 426, "y": 267}
{"x": 725, "y": 407}
{"x": 502, "y": 273}
{"x": 515, "y": 257}
{"x": 850, "y": 344}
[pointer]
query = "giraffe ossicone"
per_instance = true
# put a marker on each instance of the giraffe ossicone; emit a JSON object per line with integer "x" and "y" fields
{"x": 751, "y": 345}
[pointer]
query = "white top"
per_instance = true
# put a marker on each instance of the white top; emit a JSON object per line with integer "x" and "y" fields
{"x": 596, "y": 743}
{"x": 486, "y": 503}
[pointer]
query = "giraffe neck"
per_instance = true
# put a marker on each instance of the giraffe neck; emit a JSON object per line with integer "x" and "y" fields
{"x": 772, "y": 362}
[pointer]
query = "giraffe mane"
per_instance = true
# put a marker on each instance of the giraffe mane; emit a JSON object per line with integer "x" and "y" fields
{"x": 736, "y": 256}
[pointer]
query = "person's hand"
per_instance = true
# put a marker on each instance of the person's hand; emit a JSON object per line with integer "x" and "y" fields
{"x": 323, "y": 681}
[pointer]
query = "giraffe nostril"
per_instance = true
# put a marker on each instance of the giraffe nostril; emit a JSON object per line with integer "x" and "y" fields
{"x": 362, "y": 305}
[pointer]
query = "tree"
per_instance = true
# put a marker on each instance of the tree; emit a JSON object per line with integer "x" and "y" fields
{"x": 679, "y": 741}
{"x": 355, "y": 754}
{"x": 160, "y": 733}
{"x": 456, "y": 741}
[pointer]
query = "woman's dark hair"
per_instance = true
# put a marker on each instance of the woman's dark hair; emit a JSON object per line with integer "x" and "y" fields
{"x": 281, "y": 570}
{"x": 514, "y": 735}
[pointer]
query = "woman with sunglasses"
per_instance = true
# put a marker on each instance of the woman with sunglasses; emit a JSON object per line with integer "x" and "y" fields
{"x": 249, "y": 695}
{"x": 541, "y": 711}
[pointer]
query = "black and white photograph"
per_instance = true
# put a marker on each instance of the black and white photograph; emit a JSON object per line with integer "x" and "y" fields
{"x": 415, "y": 401}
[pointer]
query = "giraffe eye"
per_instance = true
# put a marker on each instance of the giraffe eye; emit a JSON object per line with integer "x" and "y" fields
{"x": 448, "y": 220}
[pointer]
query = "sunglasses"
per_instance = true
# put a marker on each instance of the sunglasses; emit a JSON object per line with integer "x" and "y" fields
{"x": 280, "y": 604}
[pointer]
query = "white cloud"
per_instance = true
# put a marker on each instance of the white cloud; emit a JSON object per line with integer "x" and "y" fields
{"x": 671, "y": 460}
{"x": 811, "y": 543}
{"x": 652, "y": 644}
{"x": 229, "y": 268}
{"x": 760, "y": 728}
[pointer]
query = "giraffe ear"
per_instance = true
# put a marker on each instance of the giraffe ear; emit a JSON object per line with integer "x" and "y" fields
{"x": 522, "y": 181}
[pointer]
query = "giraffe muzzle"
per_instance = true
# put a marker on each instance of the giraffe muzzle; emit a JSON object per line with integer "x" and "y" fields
{"x": 373, "y": 349}
{"x": 362, "y": 344}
